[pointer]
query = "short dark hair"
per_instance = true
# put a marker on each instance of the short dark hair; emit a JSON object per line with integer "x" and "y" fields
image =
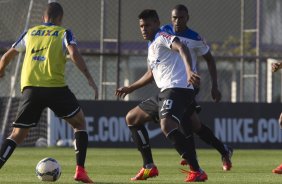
{"x": 181, "y": 7}
{"x": 149, "y": 14}
{"x": 53, "y": 10}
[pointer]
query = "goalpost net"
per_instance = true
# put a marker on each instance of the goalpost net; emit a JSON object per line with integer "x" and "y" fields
{"x": 26, "y": 13}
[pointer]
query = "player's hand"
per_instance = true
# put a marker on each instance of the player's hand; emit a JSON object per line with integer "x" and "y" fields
{"x": 194, "y": 79}
{"x": 280, "y": 121}
{"x": 95, "y": 88}
{"x": 216, "y": 95}
{"x": 275, "y": 66}
{"x": 122, "y": 91}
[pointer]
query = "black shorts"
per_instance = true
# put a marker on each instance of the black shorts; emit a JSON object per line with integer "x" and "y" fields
{"x": 175, "y": 102}
{"x": 35, "y": 99}
{"x": 151, "y": 107}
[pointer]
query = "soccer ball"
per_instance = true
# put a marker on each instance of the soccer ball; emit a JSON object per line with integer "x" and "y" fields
{"x": 41, "y": 142}
{"x": 48, "y": 169}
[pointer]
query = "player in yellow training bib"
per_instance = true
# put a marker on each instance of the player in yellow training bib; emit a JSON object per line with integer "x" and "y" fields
{"x": 43, "y": 84}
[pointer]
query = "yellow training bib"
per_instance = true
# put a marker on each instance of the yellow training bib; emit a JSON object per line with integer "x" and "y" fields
{"x": 45, "y": 58}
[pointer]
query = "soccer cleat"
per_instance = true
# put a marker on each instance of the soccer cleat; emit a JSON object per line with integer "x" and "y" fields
{"x": 144, "y": 174}
{"x": 226, "y": 160}
{"x": 81, "y": 175}
{"x": 195, "y": 176}
{"x": 278, "y": 170}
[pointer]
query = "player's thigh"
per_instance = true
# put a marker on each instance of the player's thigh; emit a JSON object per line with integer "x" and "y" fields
{"x": 63, "y": 102}
{"x": 187, "y": 125}
{"x": 30, "y": 108}
{"x": 195, "y": 122}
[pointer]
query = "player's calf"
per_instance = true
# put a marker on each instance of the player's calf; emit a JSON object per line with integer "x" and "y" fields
{"x": 6, "y": 150}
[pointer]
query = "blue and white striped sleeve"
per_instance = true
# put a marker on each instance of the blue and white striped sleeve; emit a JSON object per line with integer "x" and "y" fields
{"x": 19, "y": 45}
{"x": 69, "y": 38}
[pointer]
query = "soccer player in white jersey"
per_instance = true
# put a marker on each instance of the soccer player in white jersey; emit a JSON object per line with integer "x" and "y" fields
{"x": 198, "y": 47}
{"x": 149, "y": 107}
{"x": 169, "y": 64}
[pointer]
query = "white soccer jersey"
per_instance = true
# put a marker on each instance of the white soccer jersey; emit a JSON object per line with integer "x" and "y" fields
{"x": 167, "y": 65}
{"x": 192, "y": 40}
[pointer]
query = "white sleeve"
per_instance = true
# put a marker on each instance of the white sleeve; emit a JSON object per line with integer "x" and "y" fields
{"x": 166, "y": 39}
{"x": 19, "y": 45}
{"x": 202, "y": 48}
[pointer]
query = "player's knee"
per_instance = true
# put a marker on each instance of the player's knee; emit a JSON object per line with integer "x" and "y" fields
{"x": 130, "y": 118}
{"x": 77, "y": 121}
{"x": 19, "y": 134}
{"x": 137, "y": 117}
{"x": 78, "y": 124}
{"x": 168, "y": 125}
{"x": 165, "y": 130}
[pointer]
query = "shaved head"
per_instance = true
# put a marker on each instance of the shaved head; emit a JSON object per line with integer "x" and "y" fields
{"x": 53, "y": 11}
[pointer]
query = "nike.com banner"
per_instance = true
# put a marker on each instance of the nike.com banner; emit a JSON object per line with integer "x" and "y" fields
{"x": 241, "y": 125}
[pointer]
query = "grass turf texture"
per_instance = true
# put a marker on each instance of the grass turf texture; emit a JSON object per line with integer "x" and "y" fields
{"x": 117, "y": 166}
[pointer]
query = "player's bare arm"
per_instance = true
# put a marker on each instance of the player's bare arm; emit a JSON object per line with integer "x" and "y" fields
{"x": 144, "y": 80}
{"x": 6, "y": 59}
{"x": 79, "y": 62}
{"x": 276, "y": 66}
{"x": 280, "y": 120}
{"x": 184, "y": 52}
{"x": 216, "y": 95}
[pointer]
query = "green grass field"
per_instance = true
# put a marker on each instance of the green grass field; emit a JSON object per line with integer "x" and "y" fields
{"x": 118, "y": 165}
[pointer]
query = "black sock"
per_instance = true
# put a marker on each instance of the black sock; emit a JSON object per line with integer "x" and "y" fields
{"x": 80, "y": 146}
{"x": 141, "y": 138}
{"x": 185, "y": 148}
{"x": 6, "y": 150}
{"x": 191, "y": 146}
{"x": 208, "y": 136}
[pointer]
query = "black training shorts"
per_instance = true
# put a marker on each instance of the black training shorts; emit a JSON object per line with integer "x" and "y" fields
{"x": 35, "y": 99}
{"x": 151, "y": 107}
{"x": 175, "y": 102}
